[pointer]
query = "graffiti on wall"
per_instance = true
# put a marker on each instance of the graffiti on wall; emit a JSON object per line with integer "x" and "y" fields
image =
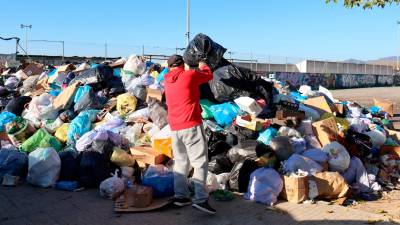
{"x": 338, "y": 80}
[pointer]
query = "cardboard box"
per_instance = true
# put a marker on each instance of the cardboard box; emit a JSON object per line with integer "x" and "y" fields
{"x": 295, "y": 188}
{"x": 144, "y": 155}
{"x": 34, "y": 69}
{"x": 154, "y": 93}
{"x": 318, "y": 103}
{"x": 138, "y": 196}
{"x": 326, "y": 130}
{"x": 339, "y": 108}
{"x": 64, "y": 99}
{"x": 392, "y": 150}
{"x": 387, "y": 106}
{"x": 249, "y": 105}
{"x": 252, "y": 123}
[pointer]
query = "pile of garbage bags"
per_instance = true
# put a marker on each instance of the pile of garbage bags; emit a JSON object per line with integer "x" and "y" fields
{"x": 105, "y": 126}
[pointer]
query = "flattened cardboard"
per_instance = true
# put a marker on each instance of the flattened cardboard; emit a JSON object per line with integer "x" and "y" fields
{"x": 33, "y": 69}
{"x": 391, "y": 150}
{"x": 154, "y": 93}
{"x": 387, "y": 106}
{"x": 326, "y": 130}
{"x": 66, "y": 68}
{"x": 318, "y": 103}
{"x": 64, "y": 99}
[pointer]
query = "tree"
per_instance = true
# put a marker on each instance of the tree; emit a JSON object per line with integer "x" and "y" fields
{"x": 366, "y": 4}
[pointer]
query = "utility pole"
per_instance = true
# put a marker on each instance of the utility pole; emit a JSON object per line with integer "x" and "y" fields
{"x": 398, "y": 39}
{"x": 23, "y": 26}
{"x": 105, "y": 51}
{"x": 187, "y": 22}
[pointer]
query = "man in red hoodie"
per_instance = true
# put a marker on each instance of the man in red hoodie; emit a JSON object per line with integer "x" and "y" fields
{"x": 188, "y": 138}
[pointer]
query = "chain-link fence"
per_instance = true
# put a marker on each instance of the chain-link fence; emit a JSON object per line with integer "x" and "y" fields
{"x": 253, "y": 61}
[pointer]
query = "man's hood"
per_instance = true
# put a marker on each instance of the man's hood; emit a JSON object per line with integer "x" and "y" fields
{"x": 173, "y": 75}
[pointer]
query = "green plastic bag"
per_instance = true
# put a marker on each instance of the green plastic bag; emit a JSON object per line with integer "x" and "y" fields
{"x": 41, "y": 139}
{"x": 205, "y": 106}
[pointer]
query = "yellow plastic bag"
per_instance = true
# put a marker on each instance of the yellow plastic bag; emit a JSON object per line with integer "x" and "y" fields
{"x": 126, "y": 103}
{"x": 122, "y": 158}
{"x": 61, "y": 132}
{"x": 163, "y": 146}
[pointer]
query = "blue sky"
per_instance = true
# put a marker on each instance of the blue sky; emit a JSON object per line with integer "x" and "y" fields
{"x": 295, "y": 28}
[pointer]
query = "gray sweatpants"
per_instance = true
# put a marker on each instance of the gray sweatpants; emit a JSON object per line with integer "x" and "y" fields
{"x": 190, "y": 148}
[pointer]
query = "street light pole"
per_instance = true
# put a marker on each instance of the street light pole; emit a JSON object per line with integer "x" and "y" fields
{"x": 26, "y": 36}
{"x": 187, "y": 22}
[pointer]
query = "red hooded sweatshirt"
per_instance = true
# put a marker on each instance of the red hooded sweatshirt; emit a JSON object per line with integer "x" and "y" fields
{"x": 183, "y": 96}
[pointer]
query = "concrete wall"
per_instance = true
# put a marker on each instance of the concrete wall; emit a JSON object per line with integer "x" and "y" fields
{"x": 311, "y": 66}
{"x": 338, "y": 81}
{"x": 268, "y": 67}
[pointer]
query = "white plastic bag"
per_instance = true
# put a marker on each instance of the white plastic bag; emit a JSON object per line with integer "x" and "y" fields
{"x": 212, "y": 182}
{"x": 134, "y": 65}
{"x": 264, "y": 186}
{"x": 44, "y": 167}
{"x": 112, "y": 187}
{"x": 41, "y": 107}
{"x": 298, "y": 162}
{"x": 339, "y": 158}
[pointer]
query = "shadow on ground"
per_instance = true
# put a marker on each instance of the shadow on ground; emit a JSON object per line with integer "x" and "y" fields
{"x": 27, "y": 205}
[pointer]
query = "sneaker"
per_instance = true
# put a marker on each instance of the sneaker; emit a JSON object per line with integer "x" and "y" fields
{"x": 205, "y": 207}
{"x": 181, "y": 201}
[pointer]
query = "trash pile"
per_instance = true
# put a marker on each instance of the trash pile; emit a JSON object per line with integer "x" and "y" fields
{"x": 105, "y": 126}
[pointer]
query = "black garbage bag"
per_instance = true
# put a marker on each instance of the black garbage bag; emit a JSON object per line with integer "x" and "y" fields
{"x": 202, "y": 48}
{"x": 69, "y": 164}
{"x": 17, "y": 105}
{"x": 359, "y": 144}
{"x": 231, "y": 82}
{"x": 240, "y": 175}
{"x": 94, "y": 167}
{"x": 220, "y": 147}
{"x": 241, "y": 134}
{"x": 14, "y": 163}
{"x": 220, "y": 164}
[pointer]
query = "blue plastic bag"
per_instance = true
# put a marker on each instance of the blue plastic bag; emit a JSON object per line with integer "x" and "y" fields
{"x": 375, "y": 109}
{"x": 224, "y": 113}
{"x": 162, "y": 74}
{"x": 117, "y": 72}
{"x": 266, "y": 136}
{"x": 6, "y": 117}
{"x": 55, "y": 92}
{"x": 81, "y": 91}
{"x": 13, "y": 162}
{"x": 161, "y": 179}
{"x": 297, "y": 96}
{"x": 81, "y": 124}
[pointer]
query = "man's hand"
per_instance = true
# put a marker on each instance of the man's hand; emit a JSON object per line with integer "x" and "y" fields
{"x": 202, "y": 64}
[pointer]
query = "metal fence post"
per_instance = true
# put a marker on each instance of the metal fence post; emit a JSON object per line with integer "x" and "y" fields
{"x": 269, "y": 63}
{"x": 286, "y": 64}
{"x": 365, "y": 68}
